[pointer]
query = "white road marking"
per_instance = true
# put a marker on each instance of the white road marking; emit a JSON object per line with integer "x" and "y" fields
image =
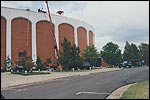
{"x": 98, "y": 83}
{"x": 21, "y": 89}
{"x": 90, "y": 93}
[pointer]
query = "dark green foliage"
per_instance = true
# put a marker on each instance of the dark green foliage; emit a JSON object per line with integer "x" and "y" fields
{"x": 135, "y": 52}
{"x": 130, "y": 52}
{"x": 111, "y": 54}
{"x": 127, "y": 51}
{"x": 25, "y": 62}
{"x": 48, "y": 61}
{"x": 39, "y": 61}
{"x": 70, "y": 56}
{"x": 28, "y": 63}
{"x": 91, "y": 55}
{"x": 144, "y": 52}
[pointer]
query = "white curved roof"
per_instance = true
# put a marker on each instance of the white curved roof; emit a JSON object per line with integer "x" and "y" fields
{"x": 34, "y": 17}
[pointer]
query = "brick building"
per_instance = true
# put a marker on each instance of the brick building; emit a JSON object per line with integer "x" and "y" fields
{"x": 30, "y": 31}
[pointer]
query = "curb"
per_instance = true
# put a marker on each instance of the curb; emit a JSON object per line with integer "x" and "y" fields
{"x": 116, "y": 94}
{"x": 36, "y": 82}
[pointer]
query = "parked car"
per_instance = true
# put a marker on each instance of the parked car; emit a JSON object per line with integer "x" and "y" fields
{"x": 41, "y": 68}
{"x": 82, "y": 65}
{"x": 85, "y": 65}
{"x": 19, "y": 68}
{"x": 125, "y": 64}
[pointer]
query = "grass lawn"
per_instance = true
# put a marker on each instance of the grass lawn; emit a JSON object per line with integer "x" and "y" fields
{"x": 137, "y": 91}
{"x": 65, "y": 70}
{"x": 81, "y": 70}
{"x": 29, "y": 73}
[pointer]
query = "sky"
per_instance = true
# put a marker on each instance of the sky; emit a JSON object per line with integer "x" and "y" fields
{"x": 113, "y": 21}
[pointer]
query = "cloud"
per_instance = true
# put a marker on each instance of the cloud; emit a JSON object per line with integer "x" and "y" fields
{"x": 116, "y": 21}
{"x": 133, "y": 35}
{"x": 17, "y": 4}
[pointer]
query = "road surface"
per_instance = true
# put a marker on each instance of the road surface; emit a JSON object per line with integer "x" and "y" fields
{"x": 92, "y": 86}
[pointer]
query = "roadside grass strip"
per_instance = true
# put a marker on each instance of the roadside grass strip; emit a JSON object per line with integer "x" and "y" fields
{"x": 137, "y": 91}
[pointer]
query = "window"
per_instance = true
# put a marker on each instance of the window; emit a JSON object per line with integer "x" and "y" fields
{"x": 21, "y": 54}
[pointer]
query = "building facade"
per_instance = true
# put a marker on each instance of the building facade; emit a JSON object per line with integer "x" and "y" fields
{"x": 31, "y": 31}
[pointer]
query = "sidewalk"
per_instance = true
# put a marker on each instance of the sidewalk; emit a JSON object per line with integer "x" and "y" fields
{"x": 8, "y": 79}
{"x": 119, "y": 92}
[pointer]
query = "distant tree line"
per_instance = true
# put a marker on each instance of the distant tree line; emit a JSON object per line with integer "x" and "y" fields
{"x": 70, "y": 56}
{"x": 112, "y": 54}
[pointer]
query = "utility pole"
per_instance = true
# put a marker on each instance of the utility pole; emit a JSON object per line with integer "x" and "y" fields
{"x": 55, "y": 43}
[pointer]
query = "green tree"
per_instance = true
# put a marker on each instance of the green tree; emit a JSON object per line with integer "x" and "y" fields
{"x": 111, "y": 53}
{"x": 91, "y": 55}
{"x": 48, "y": 61}
{"x": 64, "y": 55}
{"x": 39, "y": 62}
{"x": 134, "y": 52}
{"x": 75, "y": 58}
{"x": 144, "y": 52}
{"x": 130, "y": 51}
{"x": 127, "y": 51}
{"x": 70, "y": 56}
{"x": 26, "y": 62}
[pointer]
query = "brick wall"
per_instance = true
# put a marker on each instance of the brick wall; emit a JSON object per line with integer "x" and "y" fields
{"x": 82, "y": 39}
{"x": 20, "y": 37}
{"x": 65, "y": 30}
{"x": 3, "y": 40}
{"x": 44, "y": 39}
{"x": 91, "y": 38}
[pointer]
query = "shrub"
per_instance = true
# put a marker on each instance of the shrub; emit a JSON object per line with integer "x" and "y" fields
{"x": 26, "y": 62}
{"x": 8, "y": 64}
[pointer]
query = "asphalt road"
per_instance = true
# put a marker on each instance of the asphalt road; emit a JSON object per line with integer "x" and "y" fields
{"x": 92, "y": 86}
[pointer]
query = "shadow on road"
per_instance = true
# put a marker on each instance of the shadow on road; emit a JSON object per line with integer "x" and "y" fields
{"x": 2, "y": 97}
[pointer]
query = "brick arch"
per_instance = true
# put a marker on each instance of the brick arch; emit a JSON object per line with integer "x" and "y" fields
{"x": 91, "y": 36}
{"x": 20, "y": 37}
{"x": 3, "y": 40}
{"x": 82, "y": 39}
{"x": 65, "y": 30}
{"x": 44, "y": 40}
{"x": 22, "y": 18}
